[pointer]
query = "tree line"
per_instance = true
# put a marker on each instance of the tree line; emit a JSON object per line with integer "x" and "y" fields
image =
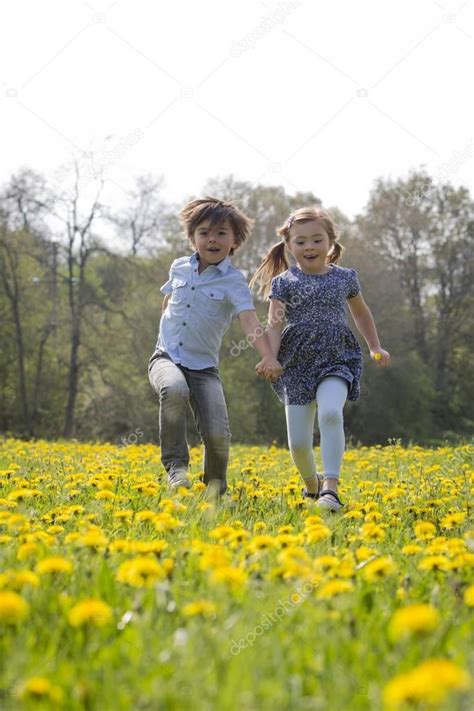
{"x": 80, "y": 307}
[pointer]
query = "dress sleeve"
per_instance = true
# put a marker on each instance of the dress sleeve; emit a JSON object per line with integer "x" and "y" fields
{"x": 278, "y": 289}
{"x": 353, "y": 287}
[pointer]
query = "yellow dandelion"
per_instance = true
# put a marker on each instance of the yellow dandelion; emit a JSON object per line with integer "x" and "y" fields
{"x": 333, "y": 588}
{"x": 27, "y": 550}
{"x": 469, "y": 596}
{"x": 429, "y": 682}
{"x": 378, "y": 569}
{"x": 202, "y": 608}
{"x": 234, "y": 578}
{"x": 90, "y": 612}
{"x": 425, "y": 530}
{"x": 214, "y": 556}
{"x": 452, "y": 520}
{"x": 93, "y": 539}
{"x": 413, "y": 619}
{"x": 372, "y": 532}
{"x": 221, "y": 533}
{"x": 411, "y": 549}
{"x": 13, "y": 608}
{"x": 317, "y": 533}
{"x": 364, "y": 553}
{"x": 38, "y": 687}
{"x": 260, "y": 543}
{"x": 165, "y": 522}
{"x": 141, "y": 572}
{"x": 18, "y": 579}
{"x": 434, "y": 562}
{"x": 54, "y": 565}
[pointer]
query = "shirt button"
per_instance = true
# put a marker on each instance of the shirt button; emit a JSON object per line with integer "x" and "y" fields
{"x": 212, "y": 294}
{"x": 181, "y": 343}
{"x": 188, "y": 305}
{"x": 192, "y": 288}
{"x": 184, "y": 323}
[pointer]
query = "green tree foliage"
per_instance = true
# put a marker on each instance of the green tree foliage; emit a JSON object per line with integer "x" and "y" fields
{"x": 411, "y": 246}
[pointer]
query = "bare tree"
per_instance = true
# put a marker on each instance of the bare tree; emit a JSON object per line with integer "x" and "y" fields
{"x": 140, "y": 223}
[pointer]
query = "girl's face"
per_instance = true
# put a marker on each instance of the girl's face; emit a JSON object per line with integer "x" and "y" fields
{"x": 213, "y": 244}
{"x": 309, "y": 243}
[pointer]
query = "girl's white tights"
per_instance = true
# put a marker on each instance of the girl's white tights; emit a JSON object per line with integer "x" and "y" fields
{"x": 331, "y": 396}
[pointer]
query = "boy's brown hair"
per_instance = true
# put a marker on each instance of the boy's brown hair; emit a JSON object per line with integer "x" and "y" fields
{"x": 218, "y": 212}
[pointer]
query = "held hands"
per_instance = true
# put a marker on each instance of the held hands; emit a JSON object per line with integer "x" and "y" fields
{"x": 269, "y": 368}
{"x": 380, "y": 356}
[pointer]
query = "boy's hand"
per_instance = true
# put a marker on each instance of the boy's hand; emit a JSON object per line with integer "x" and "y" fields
{"x": 381, "y": 357}
{"x": 269, "y": 368}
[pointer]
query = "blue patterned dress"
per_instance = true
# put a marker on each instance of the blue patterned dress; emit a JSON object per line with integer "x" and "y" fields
{"x": 316, "y": 341}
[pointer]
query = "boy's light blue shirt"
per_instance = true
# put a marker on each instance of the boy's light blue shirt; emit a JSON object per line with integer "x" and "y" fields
{"x": 200, "y": 310}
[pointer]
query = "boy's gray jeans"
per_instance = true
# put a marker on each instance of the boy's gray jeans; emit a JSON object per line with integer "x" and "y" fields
{"x": 178, "y": 388}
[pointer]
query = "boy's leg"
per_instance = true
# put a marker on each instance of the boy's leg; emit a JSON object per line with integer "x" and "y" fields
{"x": 169, "y": 383}
{"x": 300, "y": 426}
{"x": 331, "y": 396}
{"x": 212, "y": 422}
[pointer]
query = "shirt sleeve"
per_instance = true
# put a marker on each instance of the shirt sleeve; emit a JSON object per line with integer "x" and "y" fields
{"x": 278, "y": 289}
{"x": 353, "y": 285}
{"x": 166, "y": 288}
{"x": 241, "y": 297}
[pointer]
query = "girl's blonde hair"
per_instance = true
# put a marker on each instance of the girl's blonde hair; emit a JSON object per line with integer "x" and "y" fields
{"x": 275, "y": 261}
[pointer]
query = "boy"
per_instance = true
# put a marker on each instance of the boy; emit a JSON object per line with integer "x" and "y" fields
{"x": 202, "y": 295}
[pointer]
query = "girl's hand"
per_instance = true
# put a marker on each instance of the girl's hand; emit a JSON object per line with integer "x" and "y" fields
{"x": 269, "y": 368}
{"x": 381, "y": 357}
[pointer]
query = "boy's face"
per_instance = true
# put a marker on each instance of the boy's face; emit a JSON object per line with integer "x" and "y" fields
{"x": 213, "y": 244}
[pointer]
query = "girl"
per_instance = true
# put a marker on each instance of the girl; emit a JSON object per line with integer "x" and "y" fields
{"x": 320, "y": 356}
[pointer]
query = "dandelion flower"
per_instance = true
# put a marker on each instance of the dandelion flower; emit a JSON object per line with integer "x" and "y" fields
{"x": 378, "y": 569}
{"x": 425, "y": 530}
{"x": 54, "y": 564}
{"x": 469, "y": 596}
{"x": 333, "y": 588}
{"x": 429, "y": 682}
{"x": 37, "y": 688}
{"x": 141, "y": 572}
{"x": 202, "y": 608}
{"x": 90, "y": 612}
{"x": 413, "y": 619}
{"x": 13, "y": 608}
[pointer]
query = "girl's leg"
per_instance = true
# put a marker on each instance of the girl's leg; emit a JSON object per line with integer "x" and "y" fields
{"x": 331, "y": 396}
{"x": 300, "y": 426}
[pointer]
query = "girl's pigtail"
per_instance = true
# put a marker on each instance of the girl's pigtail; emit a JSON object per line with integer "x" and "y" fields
{"x": 273, "y": 263}
{"x": 335, "y": 253}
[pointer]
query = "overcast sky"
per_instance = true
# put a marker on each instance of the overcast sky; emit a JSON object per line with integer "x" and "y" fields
{"x": 321, "y": 96}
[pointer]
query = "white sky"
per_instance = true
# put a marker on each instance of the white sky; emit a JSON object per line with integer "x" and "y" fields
{"x": 321, "y": 96}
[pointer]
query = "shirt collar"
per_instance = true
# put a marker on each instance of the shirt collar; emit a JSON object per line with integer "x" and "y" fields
{"x": 223, "y": 266}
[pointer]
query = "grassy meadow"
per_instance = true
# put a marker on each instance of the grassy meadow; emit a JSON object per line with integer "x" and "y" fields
{"x": 115, "y": 594}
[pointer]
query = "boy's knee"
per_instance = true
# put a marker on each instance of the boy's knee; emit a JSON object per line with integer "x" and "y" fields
{"x": 331, "y": 416}
{"x": 174, "y": 392}
{"x": 217, "y": 440}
